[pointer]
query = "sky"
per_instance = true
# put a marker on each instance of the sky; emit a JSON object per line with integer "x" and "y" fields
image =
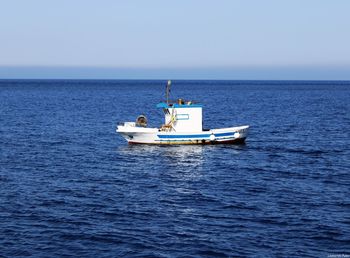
{"x": 182, "y": 39}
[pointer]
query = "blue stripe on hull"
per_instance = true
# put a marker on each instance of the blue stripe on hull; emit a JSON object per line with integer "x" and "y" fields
{"x": 224, "y": 134}
{"x": 187, "y": 136}
{"x": 167, "y": 136}
{"x": 194, "y": 141}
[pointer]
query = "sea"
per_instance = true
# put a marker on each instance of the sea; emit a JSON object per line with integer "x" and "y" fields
{"x": 70, "y": 186}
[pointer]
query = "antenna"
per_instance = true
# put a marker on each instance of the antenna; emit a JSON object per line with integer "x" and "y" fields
{"x": 167, "y": 92}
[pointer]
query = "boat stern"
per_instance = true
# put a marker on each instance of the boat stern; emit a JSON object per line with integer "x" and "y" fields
{"x": 134, "y": 134}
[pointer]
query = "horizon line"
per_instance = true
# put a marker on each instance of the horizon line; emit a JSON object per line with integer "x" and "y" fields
{"x": 315, "y": 73}
{"x": 181, "y": 80}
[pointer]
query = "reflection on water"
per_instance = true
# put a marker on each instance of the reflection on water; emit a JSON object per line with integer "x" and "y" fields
{"x": 183, "y": 172}
{"x": 180, "y": 151}
{"x": 183, "y": 161}
{"x": 178, "y": 155}
{"x": 173, "y": 165}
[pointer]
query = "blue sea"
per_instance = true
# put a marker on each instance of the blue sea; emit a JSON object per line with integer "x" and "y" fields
{"x": 71, "y": 187}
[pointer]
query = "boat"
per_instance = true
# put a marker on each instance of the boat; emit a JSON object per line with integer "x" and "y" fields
{"x": 182, "y": 125}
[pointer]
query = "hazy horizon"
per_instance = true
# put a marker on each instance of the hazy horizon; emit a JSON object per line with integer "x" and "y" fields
{"x": 236, "y": 73}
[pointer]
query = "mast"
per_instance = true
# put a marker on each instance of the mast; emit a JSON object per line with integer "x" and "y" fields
{"x": 167, "y": 91}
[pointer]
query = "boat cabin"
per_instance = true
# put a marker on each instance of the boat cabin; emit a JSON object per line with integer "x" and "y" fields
{"x": 182, "y": 116}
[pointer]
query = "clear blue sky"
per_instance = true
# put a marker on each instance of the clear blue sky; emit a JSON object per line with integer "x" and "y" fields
{"x": 189, "y": 39}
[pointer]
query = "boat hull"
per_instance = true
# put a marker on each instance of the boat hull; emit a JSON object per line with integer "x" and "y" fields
{"x": 137, "y": 135}
{"x": 235, "y": 141}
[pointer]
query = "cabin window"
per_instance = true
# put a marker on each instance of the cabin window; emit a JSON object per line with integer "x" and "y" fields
{"x": 182, "y": 117}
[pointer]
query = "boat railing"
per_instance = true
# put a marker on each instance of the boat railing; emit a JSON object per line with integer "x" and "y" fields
{"x": 181, "y": 102}
{"x": 127, "y": 124}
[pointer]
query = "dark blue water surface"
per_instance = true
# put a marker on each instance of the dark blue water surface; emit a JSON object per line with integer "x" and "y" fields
{"x": 70, "y": 186}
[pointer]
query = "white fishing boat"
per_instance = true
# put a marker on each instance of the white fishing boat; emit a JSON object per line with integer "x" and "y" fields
{"x": 183, "y": 125}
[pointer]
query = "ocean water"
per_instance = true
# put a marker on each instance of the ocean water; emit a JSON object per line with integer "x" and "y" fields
{"x": 70, "y": 186}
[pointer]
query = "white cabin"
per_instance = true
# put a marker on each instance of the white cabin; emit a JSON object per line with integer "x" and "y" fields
{"x": 183, "y": 116}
